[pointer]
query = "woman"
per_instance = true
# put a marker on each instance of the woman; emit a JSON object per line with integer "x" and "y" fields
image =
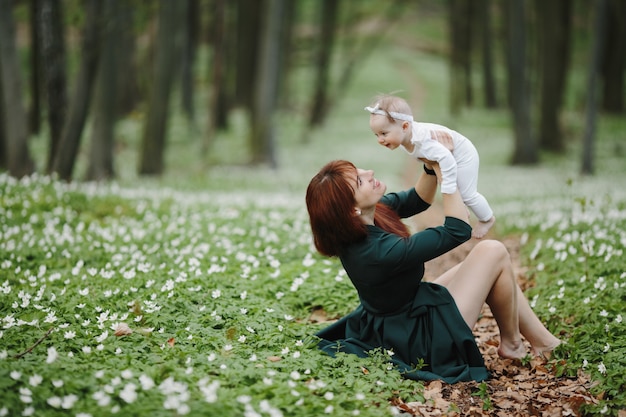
{"x": 420, "y": 322}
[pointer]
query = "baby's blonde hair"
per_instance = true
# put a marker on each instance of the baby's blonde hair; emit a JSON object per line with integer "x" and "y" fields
{"x": 390, "y": 103}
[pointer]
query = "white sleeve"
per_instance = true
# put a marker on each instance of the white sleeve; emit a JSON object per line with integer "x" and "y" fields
{"x": 435, "y": 151}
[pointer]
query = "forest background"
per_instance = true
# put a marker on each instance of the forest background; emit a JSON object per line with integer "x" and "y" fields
{"x": 193, "y": 114}
{"x": 68, "y": 87}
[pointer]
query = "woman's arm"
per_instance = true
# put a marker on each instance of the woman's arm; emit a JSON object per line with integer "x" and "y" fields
{"x": 453, "y": 206}
{"x": 426, "y": 185}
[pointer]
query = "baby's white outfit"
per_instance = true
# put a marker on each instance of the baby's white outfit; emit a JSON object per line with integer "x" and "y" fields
{"x": 458, "y": 168}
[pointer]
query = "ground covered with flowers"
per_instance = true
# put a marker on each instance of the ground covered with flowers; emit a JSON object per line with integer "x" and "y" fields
{"x": 152, "y": 301}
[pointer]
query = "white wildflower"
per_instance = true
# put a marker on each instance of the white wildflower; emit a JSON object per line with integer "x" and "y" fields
{"x": 54, "y": 401}
{"x": 35, "y": 380}
{"x": 69, "y": 401}
{"x": 102, "y": 398}
{"x": 146, "y": 382}
{"x": 52, "y": 355}
{"x": 129, "y": 393}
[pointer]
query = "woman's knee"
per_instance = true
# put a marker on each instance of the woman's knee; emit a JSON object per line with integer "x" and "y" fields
{"x": 493, "y": 249}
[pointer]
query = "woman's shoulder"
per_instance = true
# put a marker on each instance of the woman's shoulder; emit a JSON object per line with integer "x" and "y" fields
{"x": 393, "y": 198}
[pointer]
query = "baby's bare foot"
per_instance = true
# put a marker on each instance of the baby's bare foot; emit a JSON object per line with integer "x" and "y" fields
{"x": 481, "y": 228}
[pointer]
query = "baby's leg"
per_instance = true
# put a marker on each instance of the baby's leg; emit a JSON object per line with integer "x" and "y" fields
{"x": 467, "y": 181}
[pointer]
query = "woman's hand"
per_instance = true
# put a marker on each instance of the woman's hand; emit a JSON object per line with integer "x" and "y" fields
{"x": 444, "y": 138}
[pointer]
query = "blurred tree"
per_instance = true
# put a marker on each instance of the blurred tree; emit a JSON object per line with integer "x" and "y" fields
{"x": 247, "y": 38}
{"x": 357, "y": 45}
{"x": 327, "y": 28}
{"x": 190, "y": 45}
{"x": 460, "y": 21}
{"x": 168, "y": 42}
{"x": 128, "y": 92}
{"x": 595, "y": 61}
{"x": 218, "y": 107}
{"x": 49, "y": 16}
{"x": 15, "y": 151}
{"x": 262, "y": 131}
{"x": 554, "y": 18}
{"x": 79, "y": 105}
{"x": 525, "y": 151}
{"x": 289, "y": 20}
{"x": 483, "y": 14}
{"x": 100, "y": 164}
{"x": 614, "y": 64}
{"x": 34, "y": 112}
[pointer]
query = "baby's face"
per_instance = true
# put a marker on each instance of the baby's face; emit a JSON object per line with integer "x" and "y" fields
{"x": 389, "y": 135}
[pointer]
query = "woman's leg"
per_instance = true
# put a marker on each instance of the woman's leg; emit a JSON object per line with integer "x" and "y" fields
{"x": 487, "y": 275}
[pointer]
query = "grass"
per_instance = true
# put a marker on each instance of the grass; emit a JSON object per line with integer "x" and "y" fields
{"x": 209, "y": 277}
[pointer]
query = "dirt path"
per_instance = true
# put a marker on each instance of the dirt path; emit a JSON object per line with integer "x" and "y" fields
{"x": 514, "y": 389}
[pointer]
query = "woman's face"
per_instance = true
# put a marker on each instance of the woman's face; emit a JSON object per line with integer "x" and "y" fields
{"x": 389, "y": 135}
{"x": 367, "y": 189}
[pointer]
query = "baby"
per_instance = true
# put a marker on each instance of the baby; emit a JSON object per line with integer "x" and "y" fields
{"x": 392, "y": 122}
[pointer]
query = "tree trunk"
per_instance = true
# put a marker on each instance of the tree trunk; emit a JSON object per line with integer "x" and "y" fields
{"x": 248, "y": 30}
{"x": 100, "y": 166}
{"x": 34, "y": 112}
{"x": 171, "y": 17}
{"x": 52, "y": 52}
{"x": 525, "y": 151}
{"x": 18, "y": 158}
{"x": 554, "y": 45}
{"x": 190, "y": 44}
{"x": 3, "y": 141}
{"x": 266, "y": 86}
{"x": 289, "y": 22}
{"x": 128, "y": 92}
{"x": 458, "y": 55}
{"x": 489, "y": 83}
{"x": 356, "y": 46}
{"x": 65, "y": 158}
{"x": 469, "y": 11}
{"x": 614, "y": 63}
{"x": 597, "y": 52}
{"x": 217, "y": 112}
{"x": 327, "y": 28}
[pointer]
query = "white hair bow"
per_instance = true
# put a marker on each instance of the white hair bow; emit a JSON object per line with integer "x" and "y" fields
{"x": 400, "y": 116}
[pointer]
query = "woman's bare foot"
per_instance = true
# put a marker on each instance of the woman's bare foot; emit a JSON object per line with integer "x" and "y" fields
{"x": 545, "y": 352}
{"x": 481, "y": 228}
{"x": 512, "y": 350}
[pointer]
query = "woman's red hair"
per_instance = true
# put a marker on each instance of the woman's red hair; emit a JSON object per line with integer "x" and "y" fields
{"x": 330, "y": 203}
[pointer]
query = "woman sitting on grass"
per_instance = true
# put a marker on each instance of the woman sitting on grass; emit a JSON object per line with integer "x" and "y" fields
{"x": 420, "y": 322}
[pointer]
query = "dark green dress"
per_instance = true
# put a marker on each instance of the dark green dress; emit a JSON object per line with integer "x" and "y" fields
{"x": 398, "y": 311}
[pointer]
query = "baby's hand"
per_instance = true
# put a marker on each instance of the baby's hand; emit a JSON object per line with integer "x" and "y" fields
{"x": 444, "y": 138}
